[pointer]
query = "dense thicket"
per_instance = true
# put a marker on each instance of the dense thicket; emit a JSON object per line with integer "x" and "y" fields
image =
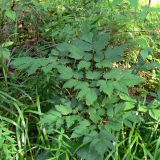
{"x": 79, "y": 80}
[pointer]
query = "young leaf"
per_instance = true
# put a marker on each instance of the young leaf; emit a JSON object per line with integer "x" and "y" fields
{"x": 155, "y": 114}
{"x": 91, "y": 96}
{"x": 85, "y": 153}
{"x": 70, "y": 120}
{"x": 102, "y": 41}
{"x": 85, "y": 46}
{"x": 82, "y": 85}
{"x": 128, "y": 105}
{"x": 93, "y": 115}
{"x": 130, "y": 79}
{"x": 65, "y": 72}
{"x": 78, "y": 75}
{"x": 63, "y": 47}
{"x": 127, "y": 98}
{"x": 114, "y": 73}
{"x": 150, "y": 66}
{"x": 33, "y": 68}
{"x": 70, "y": 83}
{"x": 64, "y": 110}
{"x": 98, "y": 56}
{"x": 59, "y": 123}
{"x": 93, "y": 75}
{"x": 104, "y": 63}
{"x": 48, "y": 68}
{"x": 50, "y": 117}
{"x": 22, "y": 63}
{"x": 83, "y": 64}
{"x": 87, "y": 56}
{"x": 81, "y": 129}
{"x": 87, "y": 37}
{"x": 120, "y": 87}
{"x": 75, "y": 52}
{"x": 145, "y": 52}
{"x": 106, "y": 86}
{"x": 115, "y": 54}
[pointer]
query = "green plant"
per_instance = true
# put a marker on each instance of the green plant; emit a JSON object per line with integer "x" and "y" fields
{"x": 97, "y": 103}
{"x": 79, "y": 98}
{"x": 7, "y": 143}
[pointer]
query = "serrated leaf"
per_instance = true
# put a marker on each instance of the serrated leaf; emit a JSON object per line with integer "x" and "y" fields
{"x": 131, "y": 116}
{"x": 48, "y": 68}
{"x": 127, "y": 123}
{"x": 70, "y": 120}
{"x": 27, "y": 63}
{"x": 101, "y": 42}
{"x": 103, "y": 142}
{"x": 145, "y": 52}
{"x": 127, "y": 98}
{"x": 130, "y": 79}
{"x": 142, "y": 108}
{"x": 120, "y": 87}
{"x": 93, "y": 115}
{"x": 93, "y": 75}
{"x": 115, "y": 126}
{"x": 33, "y": 68}
{"x": 95, "y": 118}
{"x": 155, "y": 114}
{"x": 87, "y": 37}
{"x": 81, "y": 85}
{"x": 21, "y": 62}
{"x": 114, "y": 73}
{"x": 85, "y": 153}
{"x": 62, "y": 47}
{"x": 89, "y": 137}
{"x": 81, "y": 129}
{"x": 64, "y": 110}
{"x": 104, "y": 63}
{"x": 31, "y": 65}
{"x": 128, "y": 105}
{"x": 59, "y": 123}
{"x": 49, "y": 118}
{"x": 91, "y": 96}
{"x": 150, "y": 66}
{"x": 83, "y": 64}
{"x": 106, "y": 87}
{"x": 78, "y": 75}
{"x": 101, "y": 111}
{"x": 75, "y": 52}
{"x": 65, "y": 72}
{"x": 87, "y": 56}
{"x": 70, "y": 83}
{"x": 115, "y": 54}
{"x": 85, "y": 46}
{"x": 82, "y": 93}
{"x": 98, "y": 56}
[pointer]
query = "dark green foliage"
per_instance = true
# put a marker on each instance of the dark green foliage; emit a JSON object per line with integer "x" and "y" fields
{"x": 79, "y": 80}
{"x": 91, "y": 85}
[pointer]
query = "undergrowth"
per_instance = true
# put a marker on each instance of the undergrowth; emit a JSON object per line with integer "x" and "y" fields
{"x": 79, "y": 80}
